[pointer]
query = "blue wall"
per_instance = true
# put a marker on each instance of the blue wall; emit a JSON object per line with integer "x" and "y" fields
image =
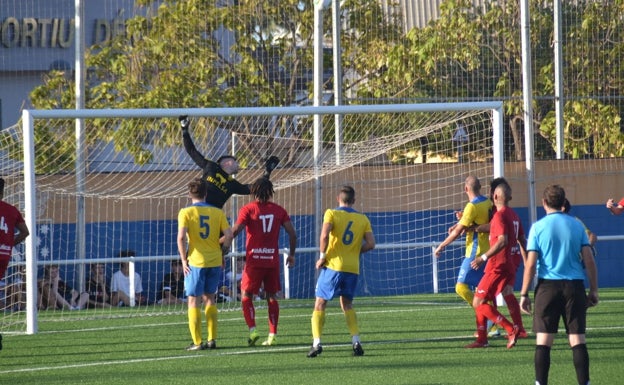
{"x": 383, "y": 272}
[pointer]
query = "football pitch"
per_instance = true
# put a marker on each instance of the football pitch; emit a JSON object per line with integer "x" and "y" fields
{"x": 415, "y": 339}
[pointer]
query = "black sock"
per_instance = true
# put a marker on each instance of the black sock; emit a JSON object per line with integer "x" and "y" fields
{"x": 581, "y": 363}
{"x": 542, "y": 364}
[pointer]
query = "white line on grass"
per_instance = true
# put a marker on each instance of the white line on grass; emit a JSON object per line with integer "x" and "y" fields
{"x": 247, "y": 350}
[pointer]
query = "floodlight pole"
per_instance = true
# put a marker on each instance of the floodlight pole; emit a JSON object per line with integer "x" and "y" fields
{"x": 317, "y": 102}
{"x": 527, "y": 92}
{"x": 80, "y": 78}
{"x": 559, "y": 102}
{"x": 337, "y": 64}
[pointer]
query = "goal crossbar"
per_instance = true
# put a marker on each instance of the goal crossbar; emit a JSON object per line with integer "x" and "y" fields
{"x": 29, "y": 117}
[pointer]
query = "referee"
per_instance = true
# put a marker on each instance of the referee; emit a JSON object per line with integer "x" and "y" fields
{"x": 559, "y": 250}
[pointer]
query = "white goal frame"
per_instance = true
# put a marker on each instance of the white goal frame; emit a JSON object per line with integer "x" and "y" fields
{"x": 29, "y": 117}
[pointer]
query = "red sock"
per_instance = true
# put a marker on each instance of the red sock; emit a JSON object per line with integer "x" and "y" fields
{"x": 514, "y": 310}
{"x": 481, "y": 326}
{"x": 493, "y": 315}
{"x": 248, "y": 311}
{"x": 273, "y": 315}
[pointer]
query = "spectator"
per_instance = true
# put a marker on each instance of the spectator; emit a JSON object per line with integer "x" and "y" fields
{"x": 172, "y": 286}
{"x": 55, "y": 294}
{"x": 120, "y": 284}
{"x": 224, "y": 294}
{"x": 97, "y": 287}
{"x": 16, "y": 291}
{"x": 235, "y": 275}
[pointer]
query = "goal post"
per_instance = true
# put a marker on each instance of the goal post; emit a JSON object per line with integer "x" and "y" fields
{"x": 406, "y": 162}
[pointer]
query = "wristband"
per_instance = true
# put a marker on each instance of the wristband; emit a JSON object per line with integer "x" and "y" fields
{"x": 322, "y": 256}
{"x": 484, "y": 257}
{"x": 524, "y": 295}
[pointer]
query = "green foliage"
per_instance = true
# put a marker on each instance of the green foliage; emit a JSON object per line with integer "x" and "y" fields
{"x": 173, "y": 57}
{"x": 591, "y": 128}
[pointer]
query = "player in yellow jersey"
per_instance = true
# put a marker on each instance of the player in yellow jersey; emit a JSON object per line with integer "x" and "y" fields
{"x": 199, "y": 229}
{"x": 476, "y": 212}
{"x": 345, "y": 235}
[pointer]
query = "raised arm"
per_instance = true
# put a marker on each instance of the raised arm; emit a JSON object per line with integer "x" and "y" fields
{"x": 189, "y": 146}
{"x": 270, "y": 165}
{"x": 455, "y": 231}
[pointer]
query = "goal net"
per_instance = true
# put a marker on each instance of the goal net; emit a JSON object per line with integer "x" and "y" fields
{"x": 119, "y": 187}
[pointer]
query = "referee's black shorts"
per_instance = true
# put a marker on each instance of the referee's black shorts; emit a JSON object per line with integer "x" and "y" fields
{"x": 560, "y": 298}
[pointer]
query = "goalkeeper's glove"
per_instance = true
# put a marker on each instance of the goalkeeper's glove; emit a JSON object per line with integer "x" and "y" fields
{"x": 185, "y": 123}
{"x": 270, "y": 164}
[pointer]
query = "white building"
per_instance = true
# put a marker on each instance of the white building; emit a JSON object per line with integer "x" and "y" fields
{"x": 38, "y": 35}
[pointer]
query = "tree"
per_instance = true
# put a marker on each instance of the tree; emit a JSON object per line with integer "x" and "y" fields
{"x": 594, "y": 79}
{"x": 475, "y": 53}
{"x": 197, "y": 53}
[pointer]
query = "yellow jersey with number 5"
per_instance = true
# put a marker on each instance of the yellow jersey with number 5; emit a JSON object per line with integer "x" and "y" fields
{"x": 204, "y": 224}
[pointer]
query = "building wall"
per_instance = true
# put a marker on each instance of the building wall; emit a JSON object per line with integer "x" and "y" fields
{"x": 38, "y": 35}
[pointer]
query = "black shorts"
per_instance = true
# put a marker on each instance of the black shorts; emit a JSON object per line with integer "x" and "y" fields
{"x": 560, "y": 298}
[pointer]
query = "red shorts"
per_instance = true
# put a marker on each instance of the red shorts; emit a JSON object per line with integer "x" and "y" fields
{"x": 491, "y": 285}
{"x": 254, "y": 277}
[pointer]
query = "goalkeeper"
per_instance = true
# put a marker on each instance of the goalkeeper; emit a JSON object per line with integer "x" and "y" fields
{"x": 218, "y": 175}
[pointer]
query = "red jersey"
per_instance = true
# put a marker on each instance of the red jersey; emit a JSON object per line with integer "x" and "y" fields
{"x": 10, "y": 217}
{"x": 505, "y": 222}
{"x": 262, "y": 223}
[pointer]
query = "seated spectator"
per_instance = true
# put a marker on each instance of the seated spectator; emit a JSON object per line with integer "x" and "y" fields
{"x": 234, "y": 276}
{"x": 224, "y": 294}
{"x": 120, "y": 284}
{"x": 55, "y": 294}
{"x": 16, "y": 291}
{"x": 172, "y": 286}
{"x": 97, "y": 287}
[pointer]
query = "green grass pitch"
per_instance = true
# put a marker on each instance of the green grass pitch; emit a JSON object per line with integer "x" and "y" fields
{"x": 415, "y": 339}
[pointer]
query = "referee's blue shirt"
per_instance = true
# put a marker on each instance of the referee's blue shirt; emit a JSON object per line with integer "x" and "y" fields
{"x": 558, "y": 238}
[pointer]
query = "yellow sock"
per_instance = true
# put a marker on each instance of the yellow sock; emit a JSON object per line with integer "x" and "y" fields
{"x": 464, "y": 291}
{"x": 194, "y": 317}
{"x": 318, "y": 321}
{"x": 211, "y": 321}
{"x": 352, "y": 322}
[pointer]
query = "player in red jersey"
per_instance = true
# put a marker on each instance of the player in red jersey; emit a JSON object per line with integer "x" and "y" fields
{"x": 616, "y": 208}
{"x": 262, "y": 220}
{"x": 10, "y": 220}
{"x": 504, "y": 229}
{"x": 518, "y": 256}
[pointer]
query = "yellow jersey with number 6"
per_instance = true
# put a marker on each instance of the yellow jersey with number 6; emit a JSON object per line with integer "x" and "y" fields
{"x": 345, "y": 238}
